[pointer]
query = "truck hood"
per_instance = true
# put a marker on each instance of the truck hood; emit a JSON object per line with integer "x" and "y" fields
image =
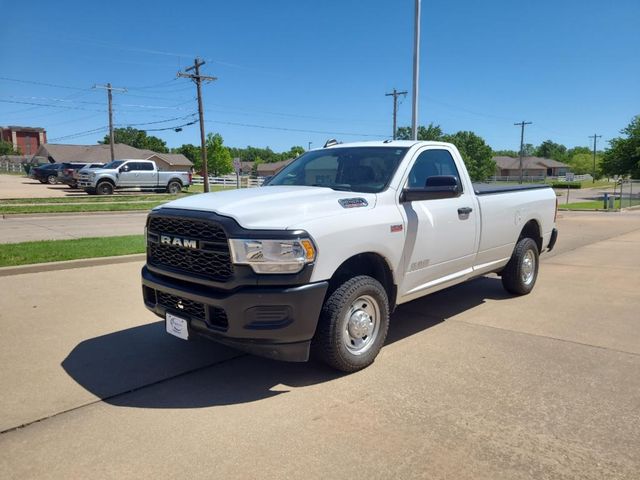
{"x": 277, "y": 207}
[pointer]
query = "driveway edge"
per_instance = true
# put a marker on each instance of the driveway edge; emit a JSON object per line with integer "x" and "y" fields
{"x": 80, "y": 263}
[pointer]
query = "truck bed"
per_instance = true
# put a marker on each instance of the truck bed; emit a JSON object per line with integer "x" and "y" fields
{"x": 491, "y": 189}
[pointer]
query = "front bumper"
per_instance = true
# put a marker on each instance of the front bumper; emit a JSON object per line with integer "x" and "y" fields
{"x": 275, "y": 322}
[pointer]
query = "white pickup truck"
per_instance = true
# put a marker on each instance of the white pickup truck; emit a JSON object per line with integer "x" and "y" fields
{"x": 316, "y": 261}
{"x": 132, "y": 174}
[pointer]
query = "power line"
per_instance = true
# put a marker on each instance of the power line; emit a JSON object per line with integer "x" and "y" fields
{"x": 286, "y": 129}
{"x": 79, "y": 134}
{"x": 44, "y": 84}
{"x": 395, "y": 94}
{"x": 522, "y": 124}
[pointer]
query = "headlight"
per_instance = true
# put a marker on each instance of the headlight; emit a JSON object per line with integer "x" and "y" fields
{"x": 273, "y": 256}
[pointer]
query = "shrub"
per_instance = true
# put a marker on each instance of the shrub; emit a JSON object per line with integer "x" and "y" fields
{"x": 571, "y": 185}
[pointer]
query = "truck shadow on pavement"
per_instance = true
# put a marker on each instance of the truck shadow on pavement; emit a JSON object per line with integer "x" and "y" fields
{"x": 143, "y": 367}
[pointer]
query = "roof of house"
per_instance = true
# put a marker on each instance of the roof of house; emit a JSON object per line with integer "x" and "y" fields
{"x": 24, "y": 129}
{"x": 101, "y": 153}
{"x": 530, "y": 163}
{"x": 274, "y": 166}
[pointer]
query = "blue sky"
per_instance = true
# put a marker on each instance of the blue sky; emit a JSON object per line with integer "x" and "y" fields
{"x": 293, "y": 72}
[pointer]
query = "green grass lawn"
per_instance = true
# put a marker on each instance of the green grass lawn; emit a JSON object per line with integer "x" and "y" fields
{"x": 80, "y": 198}
{"x": 72, "y": 208}
{"x": 25, "y": 253}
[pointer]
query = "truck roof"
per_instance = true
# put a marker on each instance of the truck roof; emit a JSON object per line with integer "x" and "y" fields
{"x": 388, "y": 143}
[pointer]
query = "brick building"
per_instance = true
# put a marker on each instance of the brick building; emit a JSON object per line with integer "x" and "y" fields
{"x": 25, "y": 140}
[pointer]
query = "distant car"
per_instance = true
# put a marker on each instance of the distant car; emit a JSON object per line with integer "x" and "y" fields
{"x": 66, "y": 174}
{"x": 46, "y": 173}
{"x": 88, "y": 167}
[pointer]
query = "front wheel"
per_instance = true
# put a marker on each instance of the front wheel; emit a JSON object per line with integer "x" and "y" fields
{"x": 104, "y": 188}
{"x": 353, "y": 324}
{"x": 174, "y": 188}
{"x": 520, "y": 274}
{"x": 52, "y": 179}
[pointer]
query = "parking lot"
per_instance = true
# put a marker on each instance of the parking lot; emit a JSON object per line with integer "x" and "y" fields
{"x": 473, "y": 383}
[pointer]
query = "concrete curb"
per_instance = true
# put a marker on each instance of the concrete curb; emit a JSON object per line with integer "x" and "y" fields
{"x": 80, "y": 263}
{"x": 62, "y": 214}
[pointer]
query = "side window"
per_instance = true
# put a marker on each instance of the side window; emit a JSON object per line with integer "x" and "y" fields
{"x": 432, "y": 163}
{"x": 134, "y": 166}
{"x": 147, "y": 166}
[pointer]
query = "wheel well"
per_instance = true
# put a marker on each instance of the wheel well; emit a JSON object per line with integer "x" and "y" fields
{"x": 531, "y": 230}
{"x": 174, "y": 180}
{"x": 371, "y": 264}
{"x": 108, "y": 180}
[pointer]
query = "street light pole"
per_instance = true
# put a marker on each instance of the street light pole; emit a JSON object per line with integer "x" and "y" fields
{"x": 416, "y": 71}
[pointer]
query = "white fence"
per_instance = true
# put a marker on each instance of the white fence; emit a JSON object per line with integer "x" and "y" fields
{"x": 230, "y": 181}
{"x": 12, "y": 167}
{"x": 541, "y": 178}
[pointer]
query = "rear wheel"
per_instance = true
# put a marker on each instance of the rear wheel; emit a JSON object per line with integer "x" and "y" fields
{"x": 52, "y": 179}
{"x": 104, "y": 188}
{"x": 353, "y": 325}
{"x": 174, "y": 187}
{"x": 520, "y": 274}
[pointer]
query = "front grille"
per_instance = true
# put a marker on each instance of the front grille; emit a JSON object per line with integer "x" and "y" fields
{"x": 212, "y": 260}
{"x": 185, "y": 227}
{"x": 179, "y": 304}
{"x": 216, "y": 318}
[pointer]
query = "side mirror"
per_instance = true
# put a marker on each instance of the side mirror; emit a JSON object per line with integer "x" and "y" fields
{"x": 124, "y": 168}
{"x": 436, "y": 187}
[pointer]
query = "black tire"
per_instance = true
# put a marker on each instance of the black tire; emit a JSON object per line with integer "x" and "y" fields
{"x": 52, "y": 179}
{"x": 521, "y": 273}
{"x": 333, "y": 335}
{"x": 174, "y": 187}
{"x": 104, "y": 188}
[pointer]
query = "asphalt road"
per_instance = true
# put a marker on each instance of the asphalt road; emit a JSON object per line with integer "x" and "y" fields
{"x": 472, "y": 383}
{"x": 25, "y": 228}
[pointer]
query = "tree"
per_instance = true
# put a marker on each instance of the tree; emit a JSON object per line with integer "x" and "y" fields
{"x": 6, "y": 148}
{"x": 528, "y": 150}
{"x": 254, "y": 167}
{"x": 505, "y": 153}
{"x": 138, "y": 139}
{"x": 294, "y": 152}
{"x": 582, "y": 163}
{"x": 623, "y": 155}
{"x": 192, "y": 153}
{"x": 550, "y": 149}
{"x": 431, "y": 132}
{"x": 218, "y": 156}
{"x": 475, "y": 153}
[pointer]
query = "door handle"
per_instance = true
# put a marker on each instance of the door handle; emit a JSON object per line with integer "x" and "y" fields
{"x": 465, "y": 210}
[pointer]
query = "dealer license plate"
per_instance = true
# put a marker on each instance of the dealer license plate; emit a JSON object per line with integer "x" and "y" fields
{"x": 177, "y": 326}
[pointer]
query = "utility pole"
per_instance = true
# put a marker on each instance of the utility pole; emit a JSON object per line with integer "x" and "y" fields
{"x": 522, "y": 124}
{"x": 109, "y": 90}
{"x": 395, "y": 94}
{"x": 198, "y": 79}
{"x": 416, "y": 71}
{"x": 595, "y": 138}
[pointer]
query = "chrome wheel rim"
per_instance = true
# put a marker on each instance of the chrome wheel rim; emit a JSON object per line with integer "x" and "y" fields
{"x": 361, "y": 325}
{"x": 528, "y": 267}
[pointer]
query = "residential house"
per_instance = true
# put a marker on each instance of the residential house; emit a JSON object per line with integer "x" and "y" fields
{"x": 269, "y": 169}
{"x": 531, "y": 167}
{"x": 57, "y": 153}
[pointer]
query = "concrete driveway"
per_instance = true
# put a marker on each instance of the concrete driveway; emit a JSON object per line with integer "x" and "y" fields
{"x": 472, "y": 383}
{"x": 18, "y": 186}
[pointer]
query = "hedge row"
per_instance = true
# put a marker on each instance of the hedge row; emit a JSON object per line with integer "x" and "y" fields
{"x": 566, "y": 185}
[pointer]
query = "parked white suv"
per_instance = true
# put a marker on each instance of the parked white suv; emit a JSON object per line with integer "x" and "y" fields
{"x": 317, "y": 260}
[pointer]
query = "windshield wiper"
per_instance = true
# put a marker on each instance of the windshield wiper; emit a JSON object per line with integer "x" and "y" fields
{"x": 337, "y": 186}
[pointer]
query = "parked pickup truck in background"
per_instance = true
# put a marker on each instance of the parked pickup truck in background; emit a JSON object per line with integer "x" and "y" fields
{"x": 129, "y": 174}
{"x": 316, "y": 261}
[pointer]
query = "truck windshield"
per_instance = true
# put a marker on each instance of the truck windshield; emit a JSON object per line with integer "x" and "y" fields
{"x": 114, "y": 164}
{"x": 356, "y": 169}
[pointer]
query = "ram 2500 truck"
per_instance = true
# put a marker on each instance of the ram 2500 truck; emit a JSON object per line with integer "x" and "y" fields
{"x": 316, "y": 261}
{"x": 132, "y": 174}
